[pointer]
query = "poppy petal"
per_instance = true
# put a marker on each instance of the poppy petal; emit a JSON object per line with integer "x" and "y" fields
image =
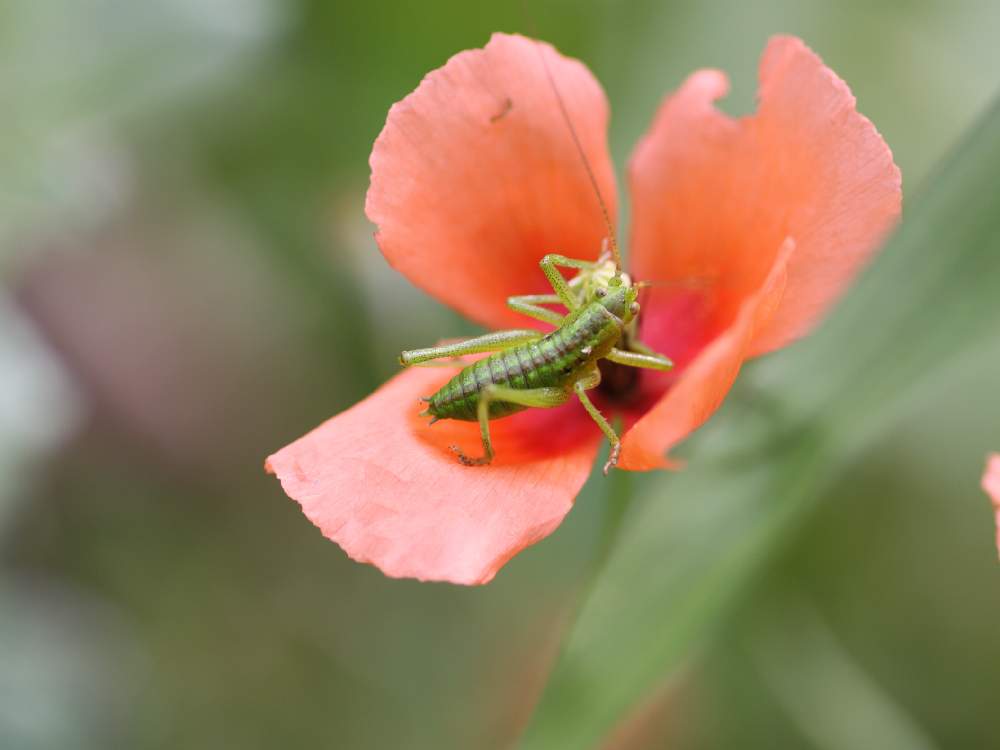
{"x": 384, "y": 485}
{"x": 714, "y": 196}
{"x": 476, "y": 176}
{"x": 854, "y": 193}
{"x": 702, "y": 386}
{"x": 991, "y": 485}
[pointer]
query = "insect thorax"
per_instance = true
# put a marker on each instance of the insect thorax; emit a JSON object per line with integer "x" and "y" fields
{"x": 554, "y": 361}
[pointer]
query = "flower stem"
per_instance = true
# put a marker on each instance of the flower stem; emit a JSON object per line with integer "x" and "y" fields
{"x": 617, "y": 502}
{"x": 619, "y": 490}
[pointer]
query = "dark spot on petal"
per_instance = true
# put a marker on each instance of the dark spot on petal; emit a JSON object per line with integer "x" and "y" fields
{"x": 619, "y": 383}
{"x": 508, "y": 104}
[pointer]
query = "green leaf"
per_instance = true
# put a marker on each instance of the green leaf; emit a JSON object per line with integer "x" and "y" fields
{"x": 73, "y": 71}
{"x": 695, "y": 540}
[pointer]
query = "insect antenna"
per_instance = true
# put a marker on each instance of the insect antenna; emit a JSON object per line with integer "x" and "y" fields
{"x": 687, "y": 282}
{"x": 612, "y": 238}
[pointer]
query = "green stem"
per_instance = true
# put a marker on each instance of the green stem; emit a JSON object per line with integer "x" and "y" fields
{"x": 617, "y": 502}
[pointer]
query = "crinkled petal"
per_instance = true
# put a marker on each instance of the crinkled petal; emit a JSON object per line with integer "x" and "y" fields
{"x": 384, "y": 485}
{"x": 991, "y": 485}
{"x": 476, "y": 176}
{"x": 713, "y": 196}
{"x": 703, "y": 385}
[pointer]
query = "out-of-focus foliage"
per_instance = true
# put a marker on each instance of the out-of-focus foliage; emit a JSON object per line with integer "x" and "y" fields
{"x": 182, "y": 185}
{"x": 70, "y": 70}
{"x": 37, "y": 403}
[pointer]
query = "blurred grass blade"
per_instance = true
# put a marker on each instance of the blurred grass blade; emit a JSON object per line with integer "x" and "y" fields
{"x": 688, "y": 550}
{"x": 810, "y": 672}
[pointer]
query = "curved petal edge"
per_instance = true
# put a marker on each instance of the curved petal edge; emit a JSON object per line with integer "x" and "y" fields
{"x": 714, "y": 197}
{"x": 383, "y": 484}
{"x": 702, "y": 387}
{"x": 476, "y": 176}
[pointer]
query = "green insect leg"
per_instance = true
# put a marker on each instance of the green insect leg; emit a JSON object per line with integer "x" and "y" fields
{"x": 550, "y": 265}
{"x": 490, "y": 342}
{"x": 650, "y": 361}
{"x": 633, "y": 344}
{"x": 543, "y": 398}
{"x": 531, "y": 305}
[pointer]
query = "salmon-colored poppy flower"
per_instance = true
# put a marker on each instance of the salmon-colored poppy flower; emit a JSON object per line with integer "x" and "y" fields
{"x": 991, "y": 486}
{"x": 475, "y": 177}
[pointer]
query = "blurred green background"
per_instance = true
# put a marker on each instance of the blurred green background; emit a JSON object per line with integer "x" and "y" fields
{"x": 189, "y": 283}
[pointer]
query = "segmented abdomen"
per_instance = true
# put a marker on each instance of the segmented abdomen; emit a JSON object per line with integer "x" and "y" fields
{"x": 553, "y": 361}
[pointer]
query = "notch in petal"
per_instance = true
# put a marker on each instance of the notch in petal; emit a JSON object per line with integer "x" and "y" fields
{"x": 714, "y": 196}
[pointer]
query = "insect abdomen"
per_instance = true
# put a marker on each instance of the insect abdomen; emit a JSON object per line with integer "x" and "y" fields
{"x": 459, "y": 397}
{"x": 551, "y": 362}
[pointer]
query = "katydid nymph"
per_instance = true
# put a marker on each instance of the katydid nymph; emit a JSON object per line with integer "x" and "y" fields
{"x": 531, "y": 369}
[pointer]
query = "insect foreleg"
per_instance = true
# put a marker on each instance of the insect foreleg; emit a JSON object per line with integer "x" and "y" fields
{"x": 490, "y": 342}
{"x": 531, "y": 305}
{"x": 632, "y": 342}
{"x": 651, "y": 361}
{"x": 537, "y": 397}
{"x": 634, "y": 345}
{"x": 580, "y": 387}
{"x": 550, "y": 267}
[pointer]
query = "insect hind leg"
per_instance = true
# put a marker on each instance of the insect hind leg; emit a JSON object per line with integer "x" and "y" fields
{"x": 542, "y": 398}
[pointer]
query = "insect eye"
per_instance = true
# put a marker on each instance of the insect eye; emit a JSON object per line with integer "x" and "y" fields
{"x": 634, "y": 308}
{"x": 601, "y": 292}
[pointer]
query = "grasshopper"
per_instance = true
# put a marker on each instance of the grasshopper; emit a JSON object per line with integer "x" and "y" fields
{"x": 531, "y": 369}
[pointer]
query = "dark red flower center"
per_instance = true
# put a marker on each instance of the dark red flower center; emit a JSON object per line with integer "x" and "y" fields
{"x": 619, "y": 384}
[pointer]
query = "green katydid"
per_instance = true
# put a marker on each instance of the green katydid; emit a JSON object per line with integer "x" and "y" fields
{"x": 530, "y": 369}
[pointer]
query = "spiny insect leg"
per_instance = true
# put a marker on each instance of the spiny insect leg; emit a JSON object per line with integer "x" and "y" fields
{"x": 633, "y": 344}
{"x": 542, "y": 398}
{"x": 580, "y": 387}
{"x": 651, "y": 361}
{"x": 490, "y": 342}
{"x": 550, "y": 267}
{"x": 531, "y": 305}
